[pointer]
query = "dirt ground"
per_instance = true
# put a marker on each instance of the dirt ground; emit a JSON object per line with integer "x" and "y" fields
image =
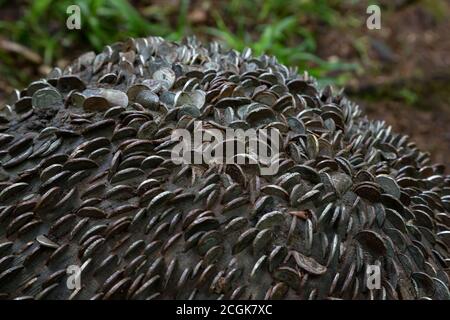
{"x": 421, "y": 48}
{"x": 407, "y": 80}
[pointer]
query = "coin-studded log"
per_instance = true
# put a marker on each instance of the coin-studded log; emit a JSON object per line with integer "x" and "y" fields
{"x": 87, "y": 183}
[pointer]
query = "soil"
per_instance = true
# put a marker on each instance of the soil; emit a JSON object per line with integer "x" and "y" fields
{"x": 408, "y": 56}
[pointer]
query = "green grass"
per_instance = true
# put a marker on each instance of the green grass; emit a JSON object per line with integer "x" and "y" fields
{"x": 281, "y": 31}
{"x": 43, "y": 29}
{"x": 276, "y": 27}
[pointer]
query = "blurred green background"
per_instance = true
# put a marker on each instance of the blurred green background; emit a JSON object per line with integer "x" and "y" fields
{"x": 400, "y": 73}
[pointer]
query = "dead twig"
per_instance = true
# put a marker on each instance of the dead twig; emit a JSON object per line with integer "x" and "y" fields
{"x": 14, "y": 47}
